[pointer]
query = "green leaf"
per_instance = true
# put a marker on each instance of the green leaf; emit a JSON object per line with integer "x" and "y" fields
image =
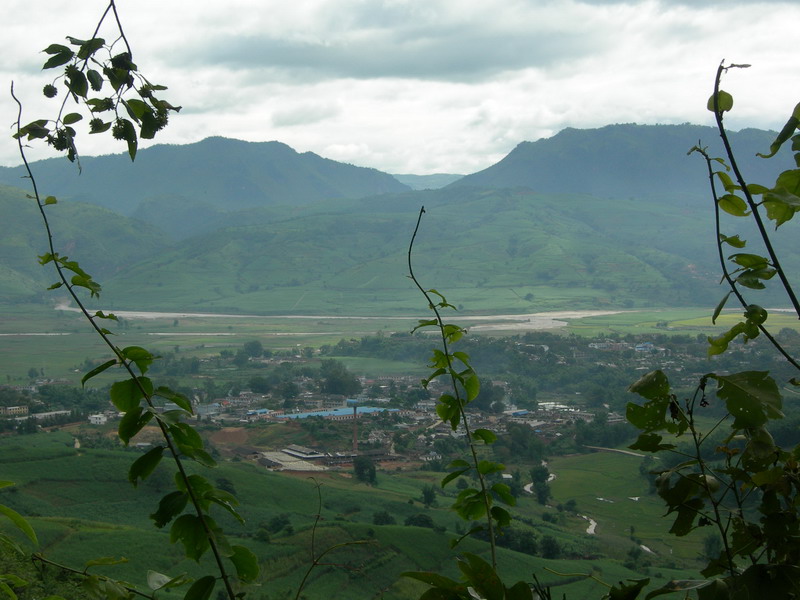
{"x": 752, "y": 278}
{"x": 70, "y": 119}
{"x": 627, "y": 592}
{"x": 472, "y": 385}
{"x": 128, "y": 133}
{"x": 487, "y": 466}
{"x": 780, "y": 207}
{"x": 143, "y": 466}
{"x": 136, "y": 108}
{"x": 724, "y": 102}
{"x": 462, "y": 356}
{"x": 98, "y": 370}
{"x": 189, "y": 530}
{"x": 488, "y": 436}
{"x": 482, "y": 577}
{"x": 785, "y": 133}
{"x": 140, "y": 357}
{"x": 426, "y": 323}
{"x": 11, "y": 545}
{"x": 89, "y": 47}
{"x": 716, "y": 589}
{"x": 179, "y": 399}
{"x": 755, "y": 314}
{"x": 752, "y": 397}
{"x": 726, "y": 181}
{"x": 77, "y": 83}
{"x": 756, "y": 190}
{"x": 101, "y": 315}
{"x": 132, "y": 423}
{"x": 201, "y": 589}
{"x": 127, "y": 394}
{"x": 187, "y": 439}
{"x": 50, "y": 200}
{"x": 504, "y": 492}
{"x": 226, "y": 500}
{"x": 95, "y": 80}
{"x": 719, "y": 307}
{"x": 653, "y": 385}
{"x": 649, "y": 417}
{"x": 86, "y": 282}
{"x": 469, "y": 505}
{"x": 158, "y": 581}
{"x": 750, "y": 261}
{"x": 733, "y": 205}
{"x": 61, "y": 55}
{"x": 34, "y": 130}
{"x": 760, "y": 451}
{"x": 501, "y": 515}
{"x": 246, "y": 564}
{"x": 519, "y": 591}
{"x": 732, "y": 241}
{"x": 169, "y": 507}
{"x": 451, "y": 476}
{"x": 650, "y": 442}
{"x": 20, "y": 523}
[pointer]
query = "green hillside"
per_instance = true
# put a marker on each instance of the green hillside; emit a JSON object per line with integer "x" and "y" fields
{"x": 83, "y": 508}
{"x": 102, "y": 241}
{"x": 491, "y": 250}
{"x": 627, "y": 161}
{"x": 614, "y": 217}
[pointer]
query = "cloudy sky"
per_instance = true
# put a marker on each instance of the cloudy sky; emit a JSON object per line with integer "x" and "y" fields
{"x": 422, "y": 86}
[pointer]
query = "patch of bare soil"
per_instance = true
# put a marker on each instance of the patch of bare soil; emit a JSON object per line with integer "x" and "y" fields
{"x": 230, "y": 435}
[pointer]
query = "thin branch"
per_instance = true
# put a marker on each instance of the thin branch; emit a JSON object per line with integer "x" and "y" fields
{"x": 123, "y": 362}
{"x": 753, "y": 206}
{"x": 723, "y": 265}
{"x": 461, "y": 404}
{"x": 38, "y": 558}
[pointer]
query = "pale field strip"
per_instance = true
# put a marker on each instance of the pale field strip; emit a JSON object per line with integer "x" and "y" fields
{"x": 517, "y": 322}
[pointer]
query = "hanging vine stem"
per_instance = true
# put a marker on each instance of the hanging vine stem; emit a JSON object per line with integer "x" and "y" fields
{"x": 723, "y": 265}
{"x": 456, "y": 380}
{"x": 121, "y": 360}
{"x": 127, "y": 357}
{"x": 718, "y": 115}
{"x": 316, "y": 560}
{"x": 41, "y": 562}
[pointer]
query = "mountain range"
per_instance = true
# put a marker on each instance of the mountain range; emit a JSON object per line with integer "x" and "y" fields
{"x": 608, "y": 217}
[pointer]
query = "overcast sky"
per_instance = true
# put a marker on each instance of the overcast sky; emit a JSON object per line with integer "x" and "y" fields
{"x": 422, "y": 86}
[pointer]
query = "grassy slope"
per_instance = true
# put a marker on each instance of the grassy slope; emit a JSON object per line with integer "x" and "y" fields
{"x": 83, "y": 509}
{"x": 489, "y": 250}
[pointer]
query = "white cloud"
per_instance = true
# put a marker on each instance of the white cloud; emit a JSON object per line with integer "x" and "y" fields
{"x": 426, "y": 86}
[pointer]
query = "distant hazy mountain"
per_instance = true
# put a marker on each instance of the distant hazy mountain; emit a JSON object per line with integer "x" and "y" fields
{"x": 428, "y": 182}
{"x": 610, "y": 217}
{"x": 221, "y": 173}
{"x": 626, "y": 161}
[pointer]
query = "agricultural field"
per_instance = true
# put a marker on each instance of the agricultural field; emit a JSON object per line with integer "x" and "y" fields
{"x": 59, "y": 342}
{"x": 83, "y": 507}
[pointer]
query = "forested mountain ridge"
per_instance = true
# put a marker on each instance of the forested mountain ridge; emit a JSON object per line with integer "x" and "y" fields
{"x": 642, "y": 237}
{"x": 626, "y": 161}
{"x": 222, "y": 173}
